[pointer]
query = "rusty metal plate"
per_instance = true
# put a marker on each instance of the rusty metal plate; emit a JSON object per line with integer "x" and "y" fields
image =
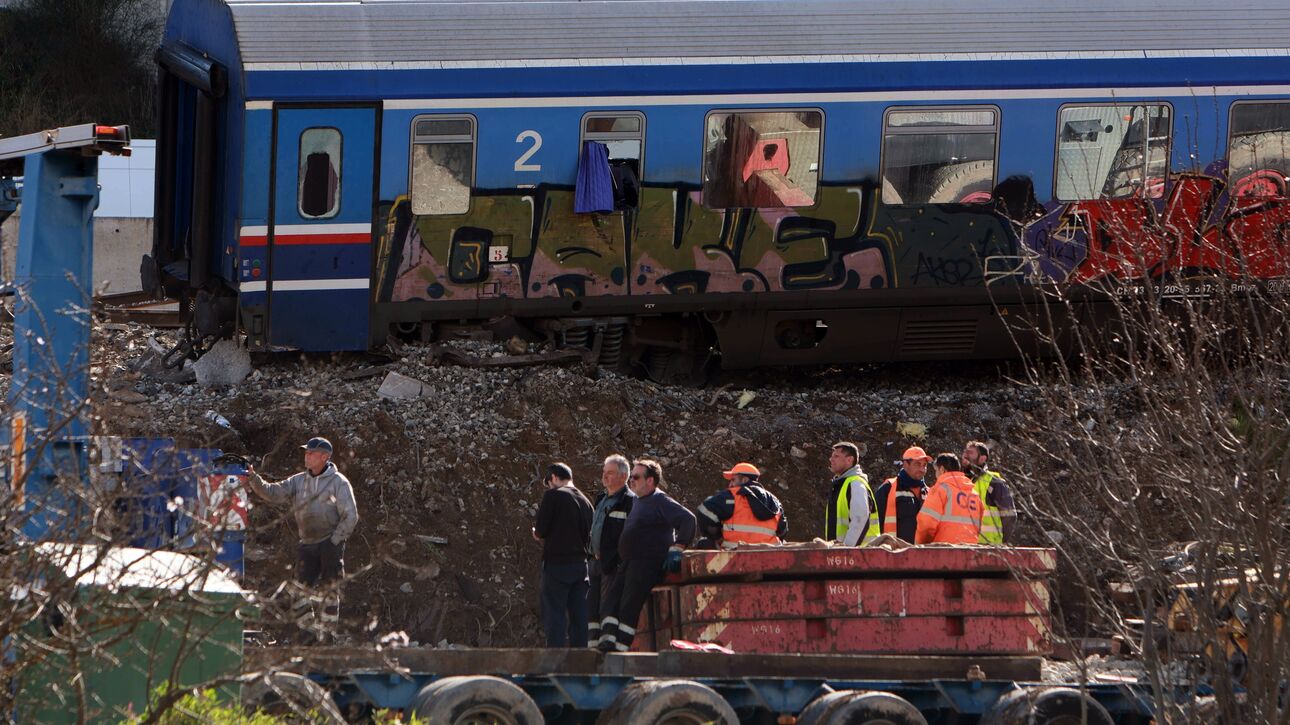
{"x": 795, "y": 562}
{"x": 852, "y": 598}
{"x": 897, "y": 635}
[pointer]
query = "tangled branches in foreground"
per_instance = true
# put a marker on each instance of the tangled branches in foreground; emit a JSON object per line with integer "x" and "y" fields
{"x": 1170, "y": 433}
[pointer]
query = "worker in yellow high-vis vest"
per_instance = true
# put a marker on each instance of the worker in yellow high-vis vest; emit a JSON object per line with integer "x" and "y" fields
{"x": 999, "y": 519}
{"x": 850, "y": 515}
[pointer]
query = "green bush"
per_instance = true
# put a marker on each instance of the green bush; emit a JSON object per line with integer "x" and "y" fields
{"x": 205, "y": 707}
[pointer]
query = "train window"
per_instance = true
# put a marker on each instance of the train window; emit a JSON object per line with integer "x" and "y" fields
{"x": 318, "y": 180}
{"x": 939, "y": 155}
{"x": 443, "y": 164}
{"x": 1112, "y": 151}
{"x": 623, "y": 133}
{"x": 762, "y": 159}
{"x": 1258, "y": 149}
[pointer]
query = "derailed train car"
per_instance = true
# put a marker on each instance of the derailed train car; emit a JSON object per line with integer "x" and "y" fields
{"x": 779, "y": 182}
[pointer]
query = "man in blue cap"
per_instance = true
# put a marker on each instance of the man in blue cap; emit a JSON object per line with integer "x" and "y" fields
{"x": 322, "y": 502}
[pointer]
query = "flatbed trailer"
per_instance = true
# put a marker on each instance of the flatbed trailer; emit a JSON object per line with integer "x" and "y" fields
{"x": 524, "y": 686}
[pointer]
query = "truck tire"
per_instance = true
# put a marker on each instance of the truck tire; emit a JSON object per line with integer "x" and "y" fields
{"x": 675, "y": 702}
{"x": 1251, "y": 156}
{"x": 968, "y": 183}
{"x": 286, "y": 694}
{"x": 876, "y": 708}
{"x": 475, "y": 700}
{"x": 1047, "y": 706}
{"x": 820, "y": 710}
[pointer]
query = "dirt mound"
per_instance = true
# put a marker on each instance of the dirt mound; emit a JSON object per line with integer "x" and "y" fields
{"x": 461, "y": 464}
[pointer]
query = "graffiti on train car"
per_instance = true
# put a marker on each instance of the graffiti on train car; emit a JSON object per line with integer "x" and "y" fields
{"x": 1199, "y": 229}
{"x": 528, "y": 243}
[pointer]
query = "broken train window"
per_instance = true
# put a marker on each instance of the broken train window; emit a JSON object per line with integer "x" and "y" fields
{"x": 762, "y": 159}
{"x": 443, "y": 164}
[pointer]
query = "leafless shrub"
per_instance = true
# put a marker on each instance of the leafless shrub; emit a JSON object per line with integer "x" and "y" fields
{"x": 1165, "y": 447}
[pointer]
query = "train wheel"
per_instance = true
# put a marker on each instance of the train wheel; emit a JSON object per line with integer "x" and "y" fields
{"x": 1047, "y": 706}
{"x": 820, "y": 710}
{"x": 288, "y": 695}
{"x": 475, "y": 701}
{"x": 668, "y": 702}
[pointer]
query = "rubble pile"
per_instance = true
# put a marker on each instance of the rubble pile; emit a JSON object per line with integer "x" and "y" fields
{"x": 447, "y": 477}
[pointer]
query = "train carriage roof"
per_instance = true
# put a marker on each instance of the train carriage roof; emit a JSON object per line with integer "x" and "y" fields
{"x": 438, "y": 33}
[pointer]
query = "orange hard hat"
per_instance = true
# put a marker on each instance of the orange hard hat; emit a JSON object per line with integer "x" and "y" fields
{"x": 915, "y": 453}
{"x": 746, "y": 469}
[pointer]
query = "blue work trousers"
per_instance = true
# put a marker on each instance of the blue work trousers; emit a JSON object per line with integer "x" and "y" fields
{"x": 564, "y": 604}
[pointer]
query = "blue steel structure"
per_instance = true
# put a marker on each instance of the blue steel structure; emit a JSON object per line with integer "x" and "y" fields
{"x": 44, "y": 435}
{"x": 46, "y": 410}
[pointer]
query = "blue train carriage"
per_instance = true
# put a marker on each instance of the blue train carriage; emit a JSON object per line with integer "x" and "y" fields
{"x": 802, "y": 182}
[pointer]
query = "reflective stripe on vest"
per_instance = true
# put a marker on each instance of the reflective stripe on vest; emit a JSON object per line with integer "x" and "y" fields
{"x": 745, "y": 528}
{"x": 959, "y": 517}
{"x": 842, "y": 507}
{"x": 991, "y": 520}
{"x": 889, "y": 521}
{"x": 875, "y": 526}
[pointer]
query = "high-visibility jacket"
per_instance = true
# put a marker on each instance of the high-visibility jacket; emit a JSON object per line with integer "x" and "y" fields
{"x": 837, "y": 520}
{"x": 743, "y": 527}
{"x": 991, "y": 520}
{"x": 952, "y": 512}
{"x": 743, "y": 514}
{"x": 890, "y": 519}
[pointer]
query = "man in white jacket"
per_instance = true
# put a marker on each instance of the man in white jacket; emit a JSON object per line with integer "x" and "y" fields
{"x": 322, "y": 503}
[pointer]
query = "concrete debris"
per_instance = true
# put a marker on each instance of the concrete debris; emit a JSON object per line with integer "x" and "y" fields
{"x": 400, "y": 387}
{"x": 911, "y": 430}
{"x": 218, "y": 419}
{"x": 226, "y": 363}
{"x": 127, "y": 396}
{"x": 797, "y": 452}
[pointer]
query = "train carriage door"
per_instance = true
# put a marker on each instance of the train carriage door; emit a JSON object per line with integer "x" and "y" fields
{"x": 320, "y": 242}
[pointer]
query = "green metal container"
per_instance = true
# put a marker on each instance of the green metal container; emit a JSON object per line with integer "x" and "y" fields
{"x": 106, "y": 627}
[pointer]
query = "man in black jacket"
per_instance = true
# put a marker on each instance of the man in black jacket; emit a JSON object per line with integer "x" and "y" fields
{"x": 611, "y": 509}
{"x": 564, "y": 528}
{"x": 900, "y": 497}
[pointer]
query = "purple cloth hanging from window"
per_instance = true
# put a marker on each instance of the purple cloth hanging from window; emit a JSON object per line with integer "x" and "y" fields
{"x": 595, "y": 189}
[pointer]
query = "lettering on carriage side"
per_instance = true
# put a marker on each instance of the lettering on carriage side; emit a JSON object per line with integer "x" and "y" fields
{"x": 521, "y": 164}
{"x": 766, "y": 628}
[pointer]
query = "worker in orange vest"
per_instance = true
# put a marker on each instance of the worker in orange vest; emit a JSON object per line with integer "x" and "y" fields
{"x": 900, "y": 497}
{"x": 952, "y": 512}
{"x": 744, "y": 513}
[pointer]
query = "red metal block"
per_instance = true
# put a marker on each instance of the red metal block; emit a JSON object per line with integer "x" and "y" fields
{"x": 724, "y": 601}
{"x": 835, "y": 562}
{"x": 875, "y": 635}
{"x": 662, "y": 604}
